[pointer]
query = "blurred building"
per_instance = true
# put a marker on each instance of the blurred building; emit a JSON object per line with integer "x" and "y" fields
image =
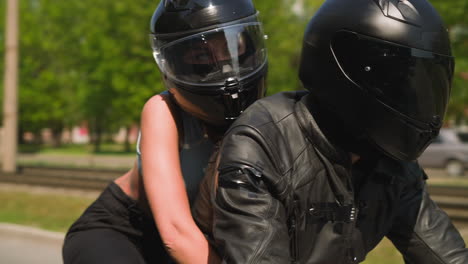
{"x": 78, "y": 135}
{"x": 122, "y": 134}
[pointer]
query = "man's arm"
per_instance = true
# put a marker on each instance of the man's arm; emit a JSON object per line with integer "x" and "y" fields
{"x": 423, "y": 233}
{"x": 249, "y": 220}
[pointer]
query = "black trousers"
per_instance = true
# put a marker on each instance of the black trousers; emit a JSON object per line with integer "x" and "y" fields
{"x": 113, "y": 230}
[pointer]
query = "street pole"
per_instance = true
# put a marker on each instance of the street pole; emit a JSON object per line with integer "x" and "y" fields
{"x": 10, "y": 95}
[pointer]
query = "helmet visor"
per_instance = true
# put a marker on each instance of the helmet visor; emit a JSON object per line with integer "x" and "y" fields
{"x": 210, "y": 57}
{"x": 414, "y": 82}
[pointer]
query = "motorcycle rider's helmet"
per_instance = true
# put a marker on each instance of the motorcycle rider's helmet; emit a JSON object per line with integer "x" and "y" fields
{"x": 212, "y": 56}
{"x": 383, "y": 68}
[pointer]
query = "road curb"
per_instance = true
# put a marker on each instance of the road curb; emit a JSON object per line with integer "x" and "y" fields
{"x": 31, "y": 233}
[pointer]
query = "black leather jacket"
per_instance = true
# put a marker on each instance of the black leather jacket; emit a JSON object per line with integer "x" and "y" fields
{"x": 286, "y": 195}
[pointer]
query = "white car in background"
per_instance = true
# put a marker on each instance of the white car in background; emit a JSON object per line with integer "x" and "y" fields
{"x": 447, "y": 151}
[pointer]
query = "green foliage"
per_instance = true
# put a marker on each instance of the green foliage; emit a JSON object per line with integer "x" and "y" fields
{"x": 284, "y": 23}
{"x": 118, "y": 69}
{"x": 454, "y": 13}
{"x": 91, "y": 60}
{"x": 84, "y": 60}
{"x": 45, "y": 86}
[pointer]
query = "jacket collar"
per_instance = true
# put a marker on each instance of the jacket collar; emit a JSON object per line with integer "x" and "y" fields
{"x": 313, "y": 133}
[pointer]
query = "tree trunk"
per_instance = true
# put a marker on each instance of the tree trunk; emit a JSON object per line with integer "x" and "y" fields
{"x": 57, "y": 136}
{"x": 127, "y": 147}
{"x": 97, "y": 137}
{"x": 10, "y": 92}
{"x": 20, "y": 135}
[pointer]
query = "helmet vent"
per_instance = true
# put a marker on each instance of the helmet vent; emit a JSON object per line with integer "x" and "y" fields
{"x": 175, "y": 5}
{"x": 383, "y": 4}
{"x": 401, "y": 10}
{"x": 408, "y": 11}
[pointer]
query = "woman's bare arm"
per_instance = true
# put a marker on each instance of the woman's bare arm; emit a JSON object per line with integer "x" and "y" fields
{"x": 165, "y": 187}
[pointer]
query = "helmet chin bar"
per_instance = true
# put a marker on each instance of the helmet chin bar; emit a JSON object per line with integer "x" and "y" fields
{"x": 231, "y": 99}
{"x": 413, "y": 135}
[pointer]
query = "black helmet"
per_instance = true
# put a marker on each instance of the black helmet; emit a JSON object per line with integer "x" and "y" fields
{"x": 212, "y": 56}
{"x": 384, "y": 68}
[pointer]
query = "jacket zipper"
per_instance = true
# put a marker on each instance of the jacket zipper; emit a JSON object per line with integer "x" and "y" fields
{"x": 293, "y": 233}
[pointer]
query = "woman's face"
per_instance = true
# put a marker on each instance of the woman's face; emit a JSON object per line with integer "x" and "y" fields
{"x": 214, "y": 50}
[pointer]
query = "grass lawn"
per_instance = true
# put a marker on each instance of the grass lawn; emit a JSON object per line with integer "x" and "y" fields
{"x": 47, "y": 211}
{"x": 449, "y": 181}
{"x": 384, "y": 253}
{"x": 57, "y": 212}
{"x": 111, "y": 156}
{"x": 440, "y": 177}
{"x": 123, "y": 167}
{"x": 77, "y": 149}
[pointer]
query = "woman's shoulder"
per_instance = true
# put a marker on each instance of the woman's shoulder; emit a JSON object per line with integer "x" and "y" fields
{"x": 159, "y": 109}
{"x": 159, "y": 104}
{"x": 158, "y": 101}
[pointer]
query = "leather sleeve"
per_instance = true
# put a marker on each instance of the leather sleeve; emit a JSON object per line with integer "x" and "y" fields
{"x": 423, "y": 233}
{"x": 249, "y": 221}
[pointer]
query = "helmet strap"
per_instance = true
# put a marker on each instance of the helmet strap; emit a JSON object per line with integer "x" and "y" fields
{"x": 231, "y": 99}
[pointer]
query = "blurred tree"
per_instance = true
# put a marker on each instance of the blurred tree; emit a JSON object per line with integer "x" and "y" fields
{"x": 45, "y": 83}
{"x": 455, "y": 15}
{"x": 284, "y": 23}
{"x": 137, "y": 78}
{"x": 91, "y": 60}
{"x": 85, "y": 60}
{"x": 119, "y": 71}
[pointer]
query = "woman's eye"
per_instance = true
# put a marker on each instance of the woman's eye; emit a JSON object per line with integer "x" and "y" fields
{"x": 200, "y": 56}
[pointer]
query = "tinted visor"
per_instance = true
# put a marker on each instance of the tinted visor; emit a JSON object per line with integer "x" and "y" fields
{"x": 414, "y": 82}
{"x": 210, "y": 57}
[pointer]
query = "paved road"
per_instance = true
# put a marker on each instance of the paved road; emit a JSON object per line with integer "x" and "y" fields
{"x": 120, "y": 161}
{"x": 123, "y": 162}
{"x": 26, "y": 245}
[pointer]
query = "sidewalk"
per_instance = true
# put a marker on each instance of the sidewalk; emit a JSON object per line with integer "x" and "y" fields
{"x": 24, "y": 245}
